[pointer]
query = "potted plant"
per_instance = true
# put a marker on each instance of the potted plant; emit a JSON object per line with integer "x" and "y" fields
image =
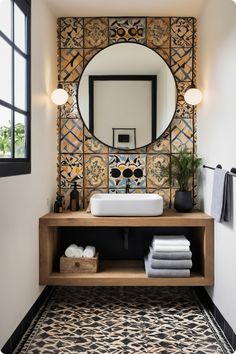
{"x": 182, "y": 167}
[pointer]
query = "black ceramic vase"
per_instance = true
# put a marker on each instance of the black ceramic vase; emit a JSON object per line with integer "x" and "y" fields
{"x": 183, "y": 201}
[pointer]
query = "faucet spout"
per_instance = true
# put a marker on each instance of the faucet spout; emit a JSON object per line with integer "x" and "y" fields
{"x": 127, "y": 187}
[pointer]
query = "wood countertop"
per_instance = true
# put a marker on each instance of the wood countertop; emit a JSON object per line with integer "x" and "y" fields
{"x": 169, "y": 218}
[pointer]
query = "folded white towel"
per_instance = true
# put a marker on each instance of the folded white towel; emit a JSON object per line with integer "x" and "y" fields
{"x": 74, "y": 251}
{"x": 171, "y": 240}
{"x": 89, "y": 252}
{"x": 170, "y": 248}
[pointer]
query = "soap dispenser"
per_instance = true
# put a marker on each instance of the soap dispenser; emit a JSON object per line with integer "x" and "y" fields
{"x": 74, "y": 198}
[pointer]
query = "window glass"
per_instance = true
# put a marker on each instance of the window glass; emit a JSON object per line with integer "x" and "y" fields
{"x": 20, "y": 81}
{"x": 5, "y": 17}
{"x": 20, "y": 147}
{"x": 20, "y": 28}
{"x": 5, "y": 132}
{"x": 5, "y": 71}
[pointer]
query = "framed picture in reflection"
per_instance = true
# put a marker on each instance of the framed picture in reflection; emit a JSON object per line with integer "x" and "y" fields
{"x": 124, "y": 138}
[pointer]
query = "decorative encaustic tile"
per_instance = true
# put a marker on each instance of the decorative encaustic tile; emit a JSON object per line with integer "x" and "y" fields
{"x": 65, "y": 193}
{"x": 122, "y": 167}
{"x": 96, "y": 32}
{"x": 92, "y": 145}
{"x": 154, "y": 178}
{"x": 158, "y": 32}
{"x": 95, "y": 171}
{"x": 71, "y": 136}
{"x": 182, "y": 32}
{"x": 116, "y": 151}
{"x": 131, "y": 191}
{"x": 183, "y": 109}
{"x": 71, "y": 64}
{"x": 164, "y": 193}
{"x": 182, "y": 135}
{"x": 181, "y": 63}
{"x": 71, "y": 170}
{"x": 161, "y": 145}
{"x": 71, "y": 32}
{"x": 91, "y": 191}
{"x": 70, "y": 108}
{"x": 127, "y": 30}
{"x": 164, "y": 53}
{"x": 89, "y": 54}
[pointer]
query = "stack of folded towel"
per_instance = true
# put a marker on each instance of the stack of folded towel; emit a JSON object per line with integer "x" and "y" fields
{"x": 75, "y": 251}
{"x": 169, "y": 257}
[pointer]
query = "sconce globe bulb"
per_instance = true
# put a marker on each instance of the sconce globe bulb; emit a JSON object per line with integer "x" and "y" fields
{"x": 193, "y": 96}
{"x": 59, "y": 96}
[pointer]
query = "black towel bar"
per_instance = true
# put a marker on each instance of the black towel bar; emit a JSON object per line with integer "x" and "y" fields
{"x": 231, "y": 173}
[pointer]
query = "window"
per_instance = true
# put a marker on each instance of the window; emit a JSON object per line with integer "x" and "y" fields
{"x": 15, "y": 87}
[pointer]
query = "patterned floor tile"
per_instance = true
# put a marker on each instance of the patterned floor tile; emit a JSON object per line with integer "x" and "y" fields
{"x": 92, "y": 145}
{"x": 71, "y": 170}
{"x": 182, "y": 31}
{"x": 122, "y": 167}
{"x": 158, "y": 32}
{"x": 154, "y": 163}
{"x": 95, "y": 32}
{"x": 161, "y": 145}
{"x": 181, "y": 63}
{"x": 71, "y": 32}
{"x": 70, "y": 108}
{"x": 95, "y": 171}
{"x": 182, "y": 135}
{"x": 71, "y": 136}
{"x": 127, "y": 30}
{"x": 130, "y": 320}
{"x": 71, "y": 64}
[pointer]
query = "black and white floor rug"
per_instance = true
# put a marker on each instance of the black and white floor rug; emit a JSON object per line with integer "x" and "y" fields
{"x": 120, "y": 320}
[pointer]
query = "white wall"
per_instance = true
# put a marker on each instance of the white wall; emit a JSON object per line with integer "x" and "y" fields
{"x": 23, "y": 199}
{"x": 216, "y": 134}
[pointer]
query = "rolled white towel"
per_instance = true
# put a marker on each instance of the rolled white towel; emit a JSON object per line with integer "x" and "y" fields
{"x": 74, "y": 251}
{"x": 89, "y": 252}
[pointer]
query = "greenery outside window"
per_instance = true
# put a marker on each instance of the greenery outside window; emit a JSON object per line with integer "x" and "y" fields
{"x": 15, "y": 87}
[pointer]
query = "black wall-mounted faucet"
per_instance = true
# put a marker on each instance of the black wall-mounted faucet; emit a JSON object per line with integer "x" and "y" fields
{"x": 127, "y": 187}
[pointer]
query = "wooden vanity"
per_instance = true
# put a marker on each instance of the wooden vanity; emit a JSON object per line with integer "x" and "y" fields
{"x": 200, "y": 232}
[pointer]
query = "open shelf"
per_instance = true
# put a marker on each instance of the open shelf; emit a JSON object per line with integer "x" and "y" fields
{"x": 56, "y": 231}
{"x": 121, "y": 273}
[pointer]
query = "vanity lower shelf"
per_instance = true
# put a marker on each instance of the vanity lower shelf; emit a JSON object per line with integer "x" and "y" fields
{"x": 123, "y": 272}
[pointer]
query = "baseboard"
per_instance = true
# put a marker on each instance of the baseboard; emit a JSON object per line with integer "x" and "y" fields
{"x": 17, "y": 335}
{"x": 223, "y": 324}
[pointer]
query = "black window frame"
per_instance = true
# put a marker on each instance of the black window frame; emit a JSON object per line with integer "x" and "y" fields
{"x": 19, "y": 166}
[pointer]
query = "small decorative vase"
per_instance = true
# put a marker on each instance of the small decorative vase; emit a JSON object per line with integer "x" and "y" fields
{"x": 183, "y": 201}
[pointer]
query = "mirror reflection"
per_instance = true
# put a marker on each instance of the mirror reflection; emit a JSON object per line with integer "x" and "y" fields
{"x": 127, "y": 95}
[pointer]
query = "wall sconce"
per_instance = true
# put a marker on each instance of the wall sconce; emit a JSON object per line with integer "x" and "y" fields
{"x": 193, "y": 96}
{"x": 59, "y": 96}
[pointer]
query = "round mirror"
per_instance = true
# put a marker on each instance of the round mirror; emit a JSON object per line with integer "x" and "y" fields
{"x": 127, "y": 96}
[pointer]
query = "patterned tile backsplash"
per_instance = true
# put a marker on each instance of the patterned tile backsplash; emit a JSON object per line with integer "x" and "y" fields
{"x": 84, "y": 159}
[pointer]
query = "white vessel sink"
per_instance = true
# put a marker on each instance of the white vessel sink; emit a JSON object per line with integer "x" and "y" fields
{"x": 143, "y": 204}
